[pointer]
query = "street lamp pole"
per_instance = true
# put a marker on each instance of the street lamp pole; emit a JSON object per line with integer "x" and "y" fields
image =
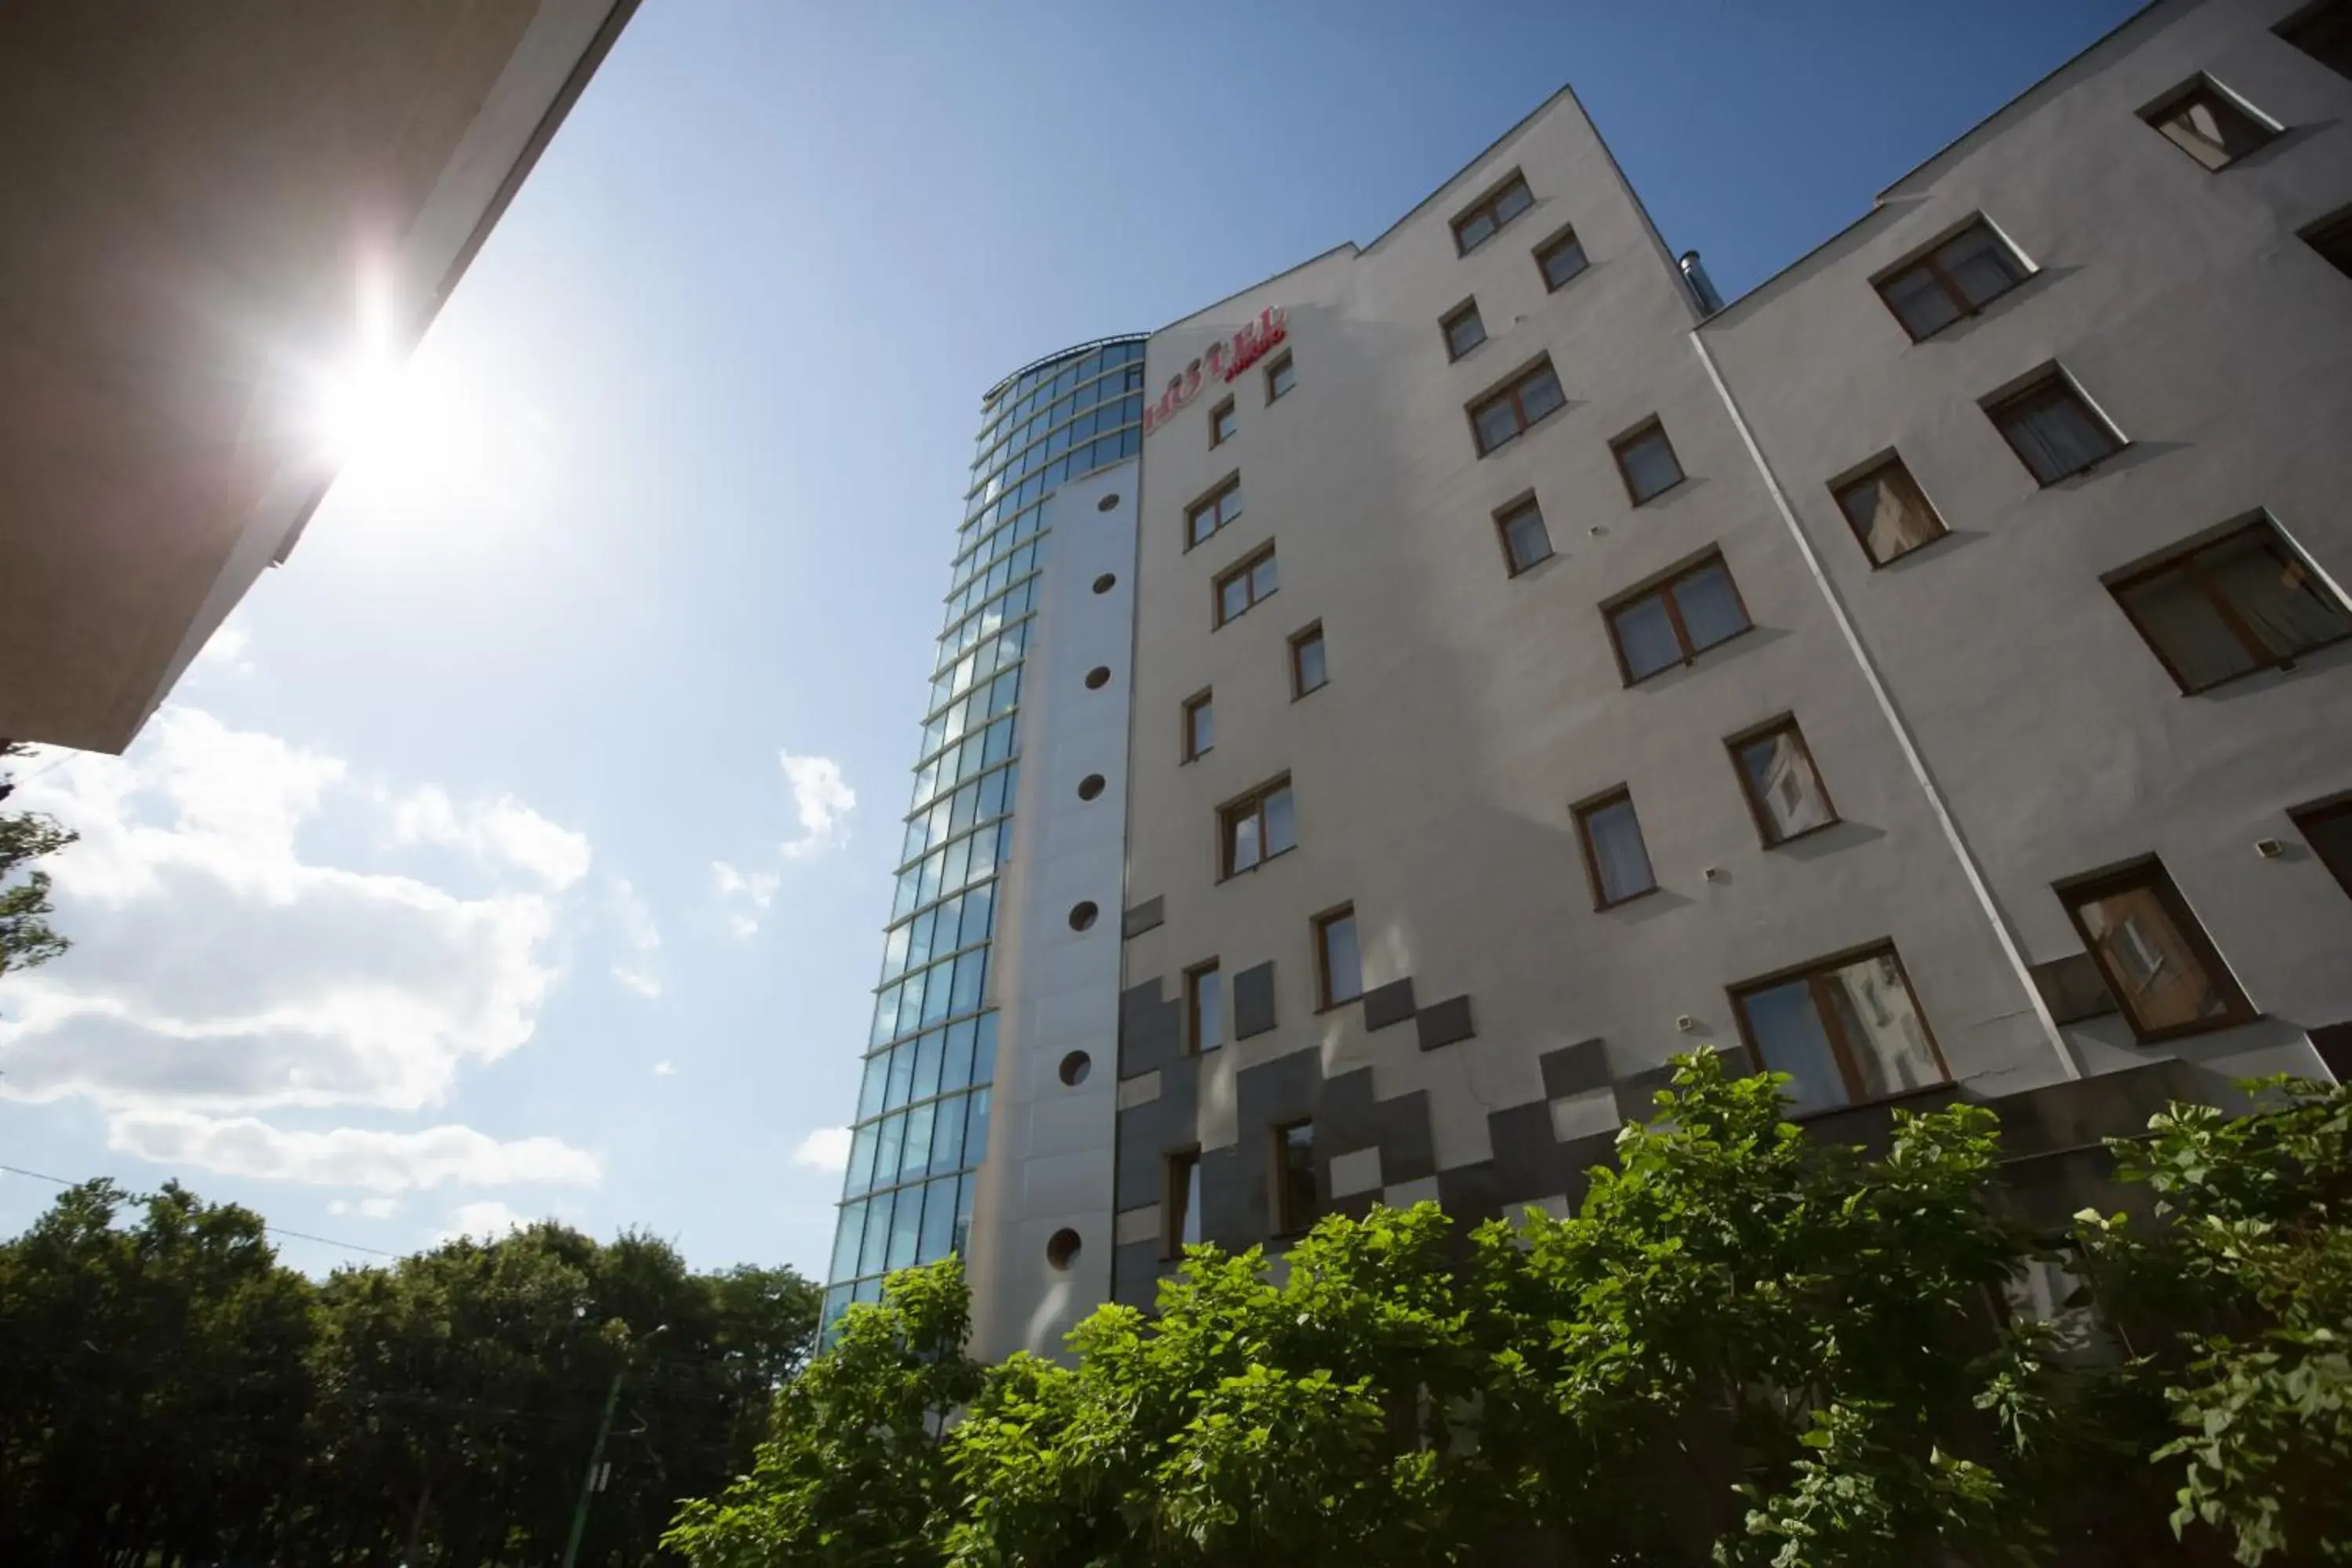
{"x": 596, "y": 1452}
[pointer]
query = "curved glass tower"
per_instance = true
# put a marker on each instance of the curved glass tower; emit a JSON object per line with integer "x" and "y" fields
{"x": 921, "y": 1128}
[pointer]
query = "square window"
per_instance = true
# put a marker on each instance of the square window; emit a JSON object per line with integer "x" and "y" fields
{"x": 1223, "y": 423}
{"x": 2333, "y": 240}
{"x": 1616, "y": 861}
{"x": 1887, "y": 513}
{"x": 1257, "y": 827}
{"x": 2328, "y": 830}
{"x": 1245, "y": 585}
{"x": 1295, "y": 1205}
{"x": 1200, "y": 725}
{"x": 1504, "y": 416}
{"x": 2209, "y": 125}
{"x": 1280, "y": 377}
{"x": 1204, "y": 1009}
{"x": 2244, "y": 602}
{"x": 1845, "y": 1030}
{"x": 1646, "y": 460}
{"x": 1673, "y": 623}
{"x": 1560, "y": 259}
{"x": 2156, "y": 960}
{"x": 1956, "y": 278}
{"x": 2052, "y": 430}
{"x": 1338, "y": 962}
{"x": 1784, "y": 789}
{"x": 1180, "y": 1210}
{"x": 1213, "y": 511}
{"x": 1306, "y": 669}
{"x": 2323, "y": 31}
{"x": 1492, "y": 211}
{"x": 1526, "y": 542}
{"x": 1464, "y": 330}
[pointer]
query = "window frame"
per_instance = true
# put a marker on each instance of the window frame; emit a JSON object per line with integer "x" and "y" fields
{"x": 1664, "y": 585}
{"x": 1218, "y": 434}
{"x": 1321, "y": 926}
{"x": 1583, "y": 812}
{"x": 1785, "y": 723}
{"x": 1465, "y": 311}
{"x": 2043, "y": 383}
{"x": 2149, "y": 874}
{"x": 2297, "y": 29}
{"x": 1924, "y": 260}
{"x": 1205, "y": 973}
{"x": 1246, "y": 570}
{"x": 1511, "y": 512}
{"x": 2331, "y": 236}
{"x": 1252, "y": 804}
{"x": 2179, "y": 557}
{"x": 1282, "y": 1221}
{"x": 1488, "y": 205}
{"x": 2158, "y": 116}
{"x": 1177, "y": 1168}
{"x": 1191, "y": 750}
{"x": 1212, "y": 502}
{"x": 1557, "y": 241}
{"x": 2321, "y": 812}
{"x": 1856, "y": 479}
{"x": 1509, "y": 390}
{"x": 1274, "y": 392}
{"x": 1310, "y": 633}
{"x": 1618, "y": 447}
{"x": 1815, "y": 973}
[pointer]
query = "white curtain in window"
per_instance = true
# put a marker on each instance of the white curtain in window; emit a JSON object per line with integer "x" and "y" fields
{"x": 1710, "y": 607}
{"x": 1786, "y": 784}
{"x": 1891, "y": 520}
{"x": 1882, "y": 1027}
{"x": 1619, "y": 856}
{"x": 2275, "y": 593}
{"x": 2057, "y": 436}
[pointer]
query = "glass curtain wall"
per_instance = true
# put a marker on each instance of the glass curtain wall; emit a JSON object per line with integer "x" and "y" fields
{"x": 921, "y": 1126}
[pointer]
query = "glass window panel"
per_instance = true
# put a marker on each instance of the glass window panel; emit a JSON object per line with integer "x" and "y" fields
{"x": 1203, "y": 718}
{"x": 1783, "y": 785}
{"x": 983, "y": 1049}
{"x": 1241, "y": 840}
{"x": 917, "y": 840}
{"x": 975, "y": 1127}
{"x": 2212, "y": 130}
{"x": 1281, "y": 378}
{"x": 902, "y": 1075}
{"x": 964, "y": 1191}
{"x": 956, "y": 866}
{"x": 905, "y": 1229}
{"x": 914, "y": 1151}
{"x": 1620, "y": 861}
{"x": 867, "y": 1291}
{"x": 929, "y": 1052}
{"x": 1888, "y": 513}
{"x": 2150, "y": 962}
{"x": 910, "y": 1010}
{"x": 848, "y": 1231}
{"x": 1262, "y": 579}
{"x": 886, "y": 1015}
{"x": 937, "y": 993}
{"x": 1980, "y": 266}
{"x": 1562, "y": 261}
{"x": 1189, "y": 1229}
{"x": 876, "y": 1243}
{"x": 909, "y": 892}
{"x": 1233, "y": 596}
{"x": 979, "y": 913}
{"x": 970, "y": 971}
{"x": 1790, "y": 1037}
{"x": 1000, "y": 741}
{"x": 1526, "y": 538}
{"x": 1882, "y": 1027}
{"x": 1513, "y": 200}
{"x": 894, "y": 951}
{"x": 1498, "y": 422}
{"x": 1917, "y": 298}
{"x": 955, "y": 1065}
{"x": 1343, "y": 964}
{"x": 1646, "y": 635}
{"x": 1650, "y": 466}
{"x": 1477, "y": 231}
{"x": 1207, "y": 991}
{"x": 1281, "y": 822}
{"x": 946, "y": 1136}
{"x": 989, "y": 800}
{"x": 939, "y": 1222}
{"x": 2276, "y": 595}
{"x": 1539, "y": 393}
{"x": 1295, "y": 1177}
{"x": 1311, "y": 674}
{"x": 1709, "y": 606}
{"x": 964, "y": 806}
{"x": 869, "y": 1094}
{"x": 1465, "y": 332}
{"x": 860, "y": 1174}
{"x": 919, "y": 938}
{"x": 933, "y": 865}
{"x": 2053, "y": 434}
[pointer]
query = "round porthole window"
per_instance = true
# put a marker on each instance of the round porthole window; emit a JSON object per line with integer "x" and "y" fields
{"x": 1090, "y": 786}
{"x": 1082, "y": 914}
{"x": 1106, "y": 582}
{"x": 1062, "y": 1250}
{"x": 1097, "y": 677}
{"x": 1075, "y": 1067}
{"x": 1107, "y": 502}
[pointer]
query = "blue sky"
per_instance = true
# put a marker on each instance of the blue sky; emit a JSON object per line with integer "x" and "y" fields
{"x": 406, "y": 915}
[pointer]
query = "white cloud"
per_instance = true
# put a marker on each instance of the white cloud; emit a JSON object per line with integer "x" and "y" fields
{"x": 746, "y": 894}
{"x": 229, "y": 650}
{"x": 503, "y": 830}
{"x": 349, "y": 1156}
{"x": 826, "y": 1149}
{"x": 636, "y": 940}
{"x": 219, "y": 970}
{"x": 821, "y": 799}
{"x": 484, "y": 1221}
{"x": 664, "y": 1069}
{"x": 379, "y": 1208}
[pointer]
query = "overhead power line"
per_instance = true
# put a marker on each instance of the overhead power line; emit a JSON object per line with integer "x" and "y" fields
{"x": 272, "y": 1230}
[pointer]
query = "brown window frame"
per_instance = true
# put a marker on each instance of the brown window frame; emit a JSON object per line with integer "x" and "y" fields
{"x": 1618, "y": 448}
{"x": 2251, "y": 642}
{"x": 1925, "y": 261}
{"x": 1218, "y": 434}
{"x": 2051, "y": 384}
{"x": 1205, "y": 697}
{"x": 2321, "y": 19}
{"x": 1893, "y": 462}
{"x": 1275, "y": 367}
{"x": 1321, "y": 925}
{"x": 2149, "y": 874}
{"x": 1489, "y": 207}
{"x": 1246, "y": 568}
{"x": 1662, "y": 587}
{"x": 1203, "y": 973}
{"x": 1815, "y": 973}
{"x": 1283, "y": 1222}
{"x": 2305, "y": 818}
{"x": 1557, "y": 242}
{"x": 1177, "y": 1167}
{"x": 2331, "y": 236}
{"x": 2160, "y": 113}
{"x": 1507, "y": 516}
{"x": 1251, "y": 805}
{"x": 1511, "y": 392}
{"x": 1212, "y": 502}
{"x": 1465, "y": 311}
{"x": 1785, "y": 723}
{"x": 1310, "y": 633}
{"x": 1584, "y": 811}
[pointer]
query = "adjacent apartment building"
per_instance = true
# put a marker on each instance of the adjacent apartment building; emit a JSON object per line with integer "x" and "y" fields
{"x": 1383, "y": 717}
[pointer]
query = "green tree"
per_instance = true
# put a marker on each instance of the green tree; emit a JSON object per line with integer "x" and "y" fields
{"x": 26, "y": 937}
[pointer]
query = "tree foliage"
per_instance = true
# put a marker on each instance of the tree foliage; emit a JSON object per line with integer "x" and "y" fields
{"x": 1746, "y": 1349}
{"x": 176, "y": 1395}
{"x": 25, "y": 936}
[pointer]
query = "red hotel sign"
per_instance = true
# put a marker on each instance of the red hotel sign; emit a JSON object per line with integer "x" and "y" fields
{"x": 1224, "y": 362}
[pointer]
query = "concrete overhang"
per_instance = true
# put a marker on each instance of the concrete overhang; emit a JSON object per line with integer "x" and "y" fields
{"x": 195, "y": 199}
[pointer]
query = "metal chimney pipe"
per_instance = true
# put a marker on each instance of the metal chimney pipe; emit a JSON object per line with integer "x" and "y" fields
{"x": 1702, "y": 287}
